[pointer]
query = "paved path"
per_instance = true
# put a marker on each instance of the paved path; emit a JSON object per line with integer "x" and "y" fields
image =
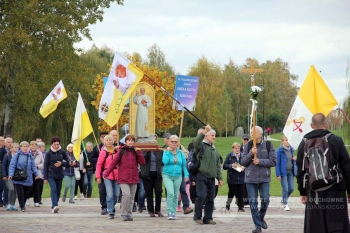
{"x": 84, "y": 216}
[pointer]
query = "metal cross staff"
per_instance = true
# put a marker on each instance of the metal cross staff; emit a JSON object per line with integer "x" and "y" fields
{"x": 252, "y": 72}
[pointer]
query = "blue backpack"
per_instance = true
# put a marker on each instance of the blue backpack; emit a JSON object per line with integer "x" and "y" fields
{"x": 192, "y": 162}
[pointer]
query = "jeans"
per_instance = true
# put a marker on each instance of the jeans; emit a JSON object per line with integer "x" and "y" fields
{"x": 128, "y": 191}
{"x": 12, "y": 193}
{"x": 287, "y": 183}
{"x": 70, "y": 184}
{"x": 153, "y": 184}
{"x": 3, "y": 193}
{"x": 88, "y": 179}
{"x": 55, "y": 186}
{"x": 205, "y": 189}
{"x": 113, "y": 191}
{"x": 264, "y": 190}
{"x": 184, "y": 195}
{"x": 172, "y": 185}
{"x": 141, "y": 194}
{"x": 102, "y": 192}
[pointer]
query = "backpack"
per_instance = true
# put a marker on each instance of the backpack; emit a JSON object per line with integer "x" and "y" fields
{"x": 193, "y": 163}
{"x": 321, "y": 172}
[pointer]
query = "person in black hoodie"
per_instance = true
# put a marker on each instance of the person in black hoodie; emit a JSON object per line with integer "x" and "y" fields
{"x": 55, "y": 160}
{"x": 331, "y": 212}
{"x": 101, "y": 187}
{"x": 151, "y": 174}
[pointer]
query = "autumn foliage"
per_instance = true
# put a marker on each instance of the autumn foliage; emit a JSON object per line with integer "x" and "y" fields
{"x": 165, "y": 116}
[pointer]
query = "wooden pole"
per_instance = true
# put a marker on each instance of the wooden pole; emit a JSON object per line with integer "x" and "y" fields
{"x": 181, "y": 125}
{"x": 96, "y": 141}
{"x": 118, "y": 133}
{"x": 254, "y": 132}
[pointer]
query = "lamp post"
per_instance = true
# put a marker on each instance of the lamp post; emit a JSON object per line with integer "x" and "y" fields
{"x": 248, "y": 119}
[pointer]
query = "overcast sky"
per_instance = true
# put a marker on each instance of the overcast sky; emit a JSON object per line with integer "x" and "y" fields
{"x": 300, "y": 32}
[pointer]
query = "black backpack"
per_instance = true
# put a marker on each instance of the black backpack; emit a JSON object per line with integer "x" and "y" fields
{"x": 192, "y": 162}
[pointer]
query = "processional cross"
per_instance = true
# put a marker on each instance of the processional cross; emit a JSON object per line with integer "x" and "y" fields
{"x": 252, "y": 72}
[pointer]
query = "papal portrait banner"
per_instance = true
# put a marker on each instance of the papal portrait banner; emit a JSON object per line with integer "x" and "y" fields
{"x": 314, "y": 97}
{"x": 122, "y": 80}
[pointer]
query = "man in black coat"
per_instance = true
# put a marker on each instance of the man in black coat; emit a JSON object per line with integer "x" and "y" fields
{"x": 330, "y": 214}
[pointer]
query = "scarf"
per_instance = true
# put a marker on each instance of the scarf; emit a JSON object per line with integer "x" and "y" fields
{"x": 53, "y": 150}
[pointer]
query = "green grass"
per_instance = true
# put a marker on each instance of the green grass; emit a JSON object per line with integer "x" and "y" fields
{"x": 223, "y": 145}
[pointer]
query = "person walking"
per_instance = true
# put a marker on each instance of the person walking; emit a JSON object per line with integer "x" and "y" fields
{"x": 258, "y": 176}
{"x": 286, "y": 170}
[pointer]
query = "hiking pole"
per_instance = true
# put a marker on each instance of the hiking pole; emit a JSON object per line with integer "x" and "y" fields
{"x": 175, "y": 100}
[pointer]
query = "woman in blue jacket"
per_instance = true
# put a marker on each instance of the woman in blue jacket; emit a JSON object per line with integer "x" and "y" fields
{"x": 286, "y": 170}
{"x": 21, "y": 160}
{"x": 174, "y": 165}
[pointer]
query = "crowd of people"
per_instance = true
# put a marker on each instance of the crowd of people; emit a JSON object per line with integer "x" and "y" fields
{"x": 126, "y": 174}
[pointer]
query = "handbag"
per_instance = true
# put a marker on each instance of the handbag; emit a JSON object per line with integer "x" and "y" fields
{"x": 21, "y": 174}
{"x": 77, "y": 173}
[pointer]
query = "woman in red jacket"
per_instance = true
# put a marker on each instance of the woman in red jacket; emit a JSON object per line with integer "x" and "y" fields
{"x": 127, "y": 160}
{"x": 107, "y": 154}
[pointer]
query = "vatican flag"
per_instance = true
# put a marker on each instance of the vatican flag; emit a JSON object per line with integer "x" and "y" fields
{"x": 314, "y": 97}
{"x": 82, "y": 127}
{"x": 122, "y": 80}
{"x": 53, "y": 99}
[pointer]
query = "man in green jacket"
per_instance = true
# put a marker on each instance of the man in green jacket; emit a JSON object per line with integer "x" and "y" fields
{"x": 209, "y": 169}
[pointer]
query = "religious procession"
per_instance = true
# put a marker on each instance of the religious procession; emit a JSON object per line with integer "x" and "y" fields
{"x": 224, "y": 148}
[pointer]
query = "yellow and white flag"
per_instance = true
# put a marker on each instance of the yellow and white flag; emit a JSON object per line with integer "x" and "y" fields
{"x": 122, "y": 80}
{"x": 314, "y": 97}
{"x": 82, "y": 127}
{"x": 53, "y": 99}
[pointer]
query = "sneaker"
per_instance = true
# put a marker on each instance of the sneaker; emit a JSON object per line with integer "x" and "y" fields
{"x": 130, "y": 218}
{"x": 9, "y": 207}
{"x": 23, "y": 209}
{"x": 178, "y": 209}
{"x": 36, "y": 205}
{"x": 188, "y": 210}
{"x": 14, "y": 208}
{"x": 227, "y": 207}
{"x": 124, "y": 218}
{"x": 71, "y": 201}
{"x": 264, "y": 224}
{"x": 82, "y": 196}
{"x": 55, "y": 210}
{"x": 27, "y": 203}
{"x": 256, "y": 230}
{"x": 134, "y": 208}
{"x": 170, "y": 216}
{"x": 104, "y": 211}
{"x": 174, "y": 216}
{"x": 241, "y": 210}
{"x": 140, "y": 209}
{"x": 212, "y": 222}
{"x": 199, "y": 221}
{"x": 286, "y": 208}
{"x": 64, "y": 198}
{"x": 110, "y": 216}
{"x": 75, "y": 198}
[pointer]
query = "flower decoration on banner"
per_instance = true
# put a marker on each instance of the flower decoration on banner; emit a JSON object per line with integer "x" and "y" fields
{"x": 255, "y": 92}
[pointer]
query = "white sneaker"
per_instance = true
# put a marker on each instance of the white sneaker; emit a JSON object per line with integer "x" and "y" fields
{"x": 286, "y": 208}
{"x": 27, "y": 203}
{"x": 75, "y": 198}
{"x": 82, "y": 196}
{"x": 55, "y": 210}
{"x": 36, "y": 205}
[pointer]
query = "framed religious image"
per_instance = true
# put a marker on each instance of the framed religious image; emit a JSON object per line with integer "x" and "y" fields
{"x": 142, "y": 111}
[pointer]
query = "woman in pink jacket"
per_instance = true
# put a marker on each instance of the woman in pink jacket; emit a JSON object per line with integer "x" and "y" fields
{"x": 107, "y": 154}
{"x": 127, "y": 160}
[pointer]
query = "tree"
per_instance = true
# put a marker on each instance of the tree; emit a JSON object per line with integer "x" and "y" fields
{"x": 37, "y": 50}
{"x": 156, "y": 58}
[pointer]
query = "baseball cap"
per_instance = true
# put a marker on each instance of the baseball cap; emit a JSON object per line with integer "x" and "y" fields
{"x": 245, "y": 136}
{"x": 167, "y": 135}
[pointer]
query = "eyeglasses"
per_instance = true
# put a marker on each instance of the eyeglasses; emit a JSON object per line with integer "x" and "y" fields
{"x": 174, "y": 141}
{"x": 246, "y": 139}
